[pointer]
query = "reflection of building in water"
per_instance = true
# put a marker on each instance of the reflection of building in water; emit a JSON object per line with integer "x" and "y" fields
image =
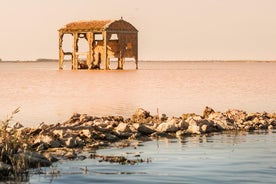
{"x": 106, "y": 39}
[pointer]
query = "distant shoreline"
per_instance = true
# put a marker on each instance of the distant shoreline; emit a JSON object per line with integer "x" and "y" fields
{"x": 29, "y": 61}
{"x": 207, "y": 61}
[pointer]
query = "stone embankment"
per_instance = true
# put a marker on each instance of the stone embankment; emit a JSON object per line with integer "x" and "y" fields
{"x": 84, "y": 132}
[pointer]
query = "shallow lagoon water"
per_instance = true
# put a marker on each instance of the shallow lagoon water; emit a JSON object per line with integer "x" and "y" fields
{"x": 45, "y": 94}
{"x": 236, "y": 157}
{"x": 48, "y": 95}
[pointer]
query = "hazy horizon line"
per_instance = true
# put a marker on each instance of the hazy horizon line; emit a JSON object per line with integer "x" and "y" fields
{"x": 154, "y": 60}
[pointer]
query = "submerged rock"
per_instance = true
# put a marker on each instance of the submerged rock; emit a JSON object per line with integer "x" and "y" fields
{"x": 33, "y": 159}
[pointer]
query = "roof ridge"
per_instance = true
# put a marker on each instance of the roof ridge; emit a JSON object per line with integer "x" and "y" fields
{"x": 96, "y": 25}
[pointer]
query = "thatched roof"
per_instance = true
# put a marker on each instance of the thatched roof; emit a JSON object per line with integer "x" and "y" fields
{"x": 99, "y": 25}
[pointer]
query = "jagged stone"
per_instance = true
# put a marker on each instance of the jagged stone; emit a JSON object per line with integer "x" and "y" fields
{"x": 42, "y": 146}
{"x": 193, "y": 127}
{"x": 183, "y": 125}
{"x": 71, "y": 142}
{"x": 86, "y": 132}
{"x": 48, "y": 140}
{"x": 163, "y": 117}
{"x": 207, "y": 111}
{"x": 206, "y": 126}
{"x": 170, "y": 126}
{"x": 237, "y": 116}
{"x": 83, "y": 117}
{"x": 222, "y": 121}
{"x": 60, "y": 132}
{"x": 140, "y": 115}
{"x": 143, "y": 129}
{"x": 123, "y": 128}
{"x": 188, "y": 115}
{"x": 35, "y": 132}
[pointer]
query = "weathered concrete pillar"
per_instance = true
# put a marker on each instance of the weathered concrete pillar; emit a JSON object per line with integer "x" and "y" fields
{"x": 61, "y": 54}
{"x": 75, "y": 50}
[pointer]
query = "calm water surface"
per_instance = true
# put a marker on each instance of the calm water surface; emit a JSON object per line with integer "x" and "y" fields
{"x": 222, "y": 158}
{"x": 46, "y": 94}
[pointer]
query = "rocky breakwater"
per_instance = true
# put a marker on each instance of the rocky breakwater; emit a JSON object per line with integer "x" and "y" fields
{"x": 83, "y": 132}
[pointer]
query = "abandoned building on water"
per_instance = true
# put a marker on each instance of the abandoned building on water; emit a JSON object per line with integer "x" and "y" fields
{"x": 106, "y": 39}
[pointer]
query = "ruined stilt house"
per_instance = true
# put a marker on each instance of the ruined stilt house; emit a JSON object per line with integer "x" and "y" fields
{"x": 106, "y": 39}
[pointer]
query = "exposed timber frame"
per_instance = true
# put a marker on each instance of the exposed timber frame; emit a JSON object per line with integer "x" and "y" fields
{"x": 100, "y": 50}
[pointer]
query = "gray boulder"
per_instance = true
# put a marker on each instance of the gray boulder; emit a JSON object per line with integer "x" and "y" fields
{"x": 143, "y": 129}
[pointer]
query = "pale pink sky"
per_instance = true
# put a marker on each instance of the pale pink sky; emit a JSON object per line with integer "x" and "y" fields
{"x": 173, "y": 29}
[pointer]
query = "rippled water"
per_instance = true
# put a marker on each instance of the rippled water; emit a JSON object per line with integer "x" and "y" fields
{"x": 223, "y": 158}
{"x": 46, "y": 94}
